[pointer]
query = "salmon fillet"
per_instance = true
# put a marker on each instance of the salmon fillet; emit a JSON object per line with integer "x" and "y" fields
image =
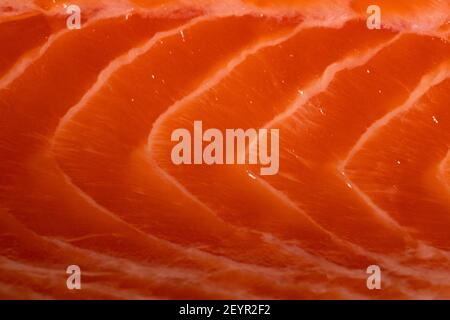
{"x": 88, "y": 116}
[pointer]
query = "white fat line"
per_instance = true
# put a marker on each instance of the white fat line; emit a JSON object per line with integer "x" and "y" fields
{"x": 116, "y": 64}
{"x": 31, "y": 57}
{"x": 332, "y": 70}
{"x": 429, "y": 80}
{"x": 137, "y": 269}
{"x": 315, "y": 88}
{"x": 317, "y": 262}
{"x": 210, "y": 7}
{"x": 401, "y": 265}
{"x": 28, "y": 59}
{"x": 224, "y": 72}
{"x": 193, "y": 252}
{"x": 269, "y": 43}
{"x": 424, "y": 24}
{"x": 145, "y": 236}
{"x": 213, "y": 81}
{"x": 19, "y": 7}
{"x": 25, "y": 62}
{"x": 426, "y": 21}
{"x": 384, "y": 215}
{"x": 203, "y": 87}
{"x": 100, "y": 8}
{"x": 439, "y": 34}
{"x": 327, "y": 77}
{"x": 393, "y": 265}
{"x": 142, "y": 271}
{"x": 102, "y": 210}
{"x": 443, "y": 168}
{"x": 240, "y": 8}
{"x": 283, "y": 198}
{"x": 53, "y": 273}
{"x": 181, "y": 188}
{"x": 16, "y": 291}
{"x": 128, "y": 58}
{"x": 9, "y": 264}
{"x": 268, "y": 239}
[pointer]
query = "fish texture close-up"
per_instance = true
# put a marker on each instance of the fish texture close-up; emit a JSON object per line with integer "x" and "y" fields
{"x": 235, "y": 149}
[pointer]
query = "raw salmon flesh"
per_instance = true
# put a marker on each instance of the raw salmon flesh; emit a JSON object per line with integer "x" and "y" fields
{"x": 236, "y": 149}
